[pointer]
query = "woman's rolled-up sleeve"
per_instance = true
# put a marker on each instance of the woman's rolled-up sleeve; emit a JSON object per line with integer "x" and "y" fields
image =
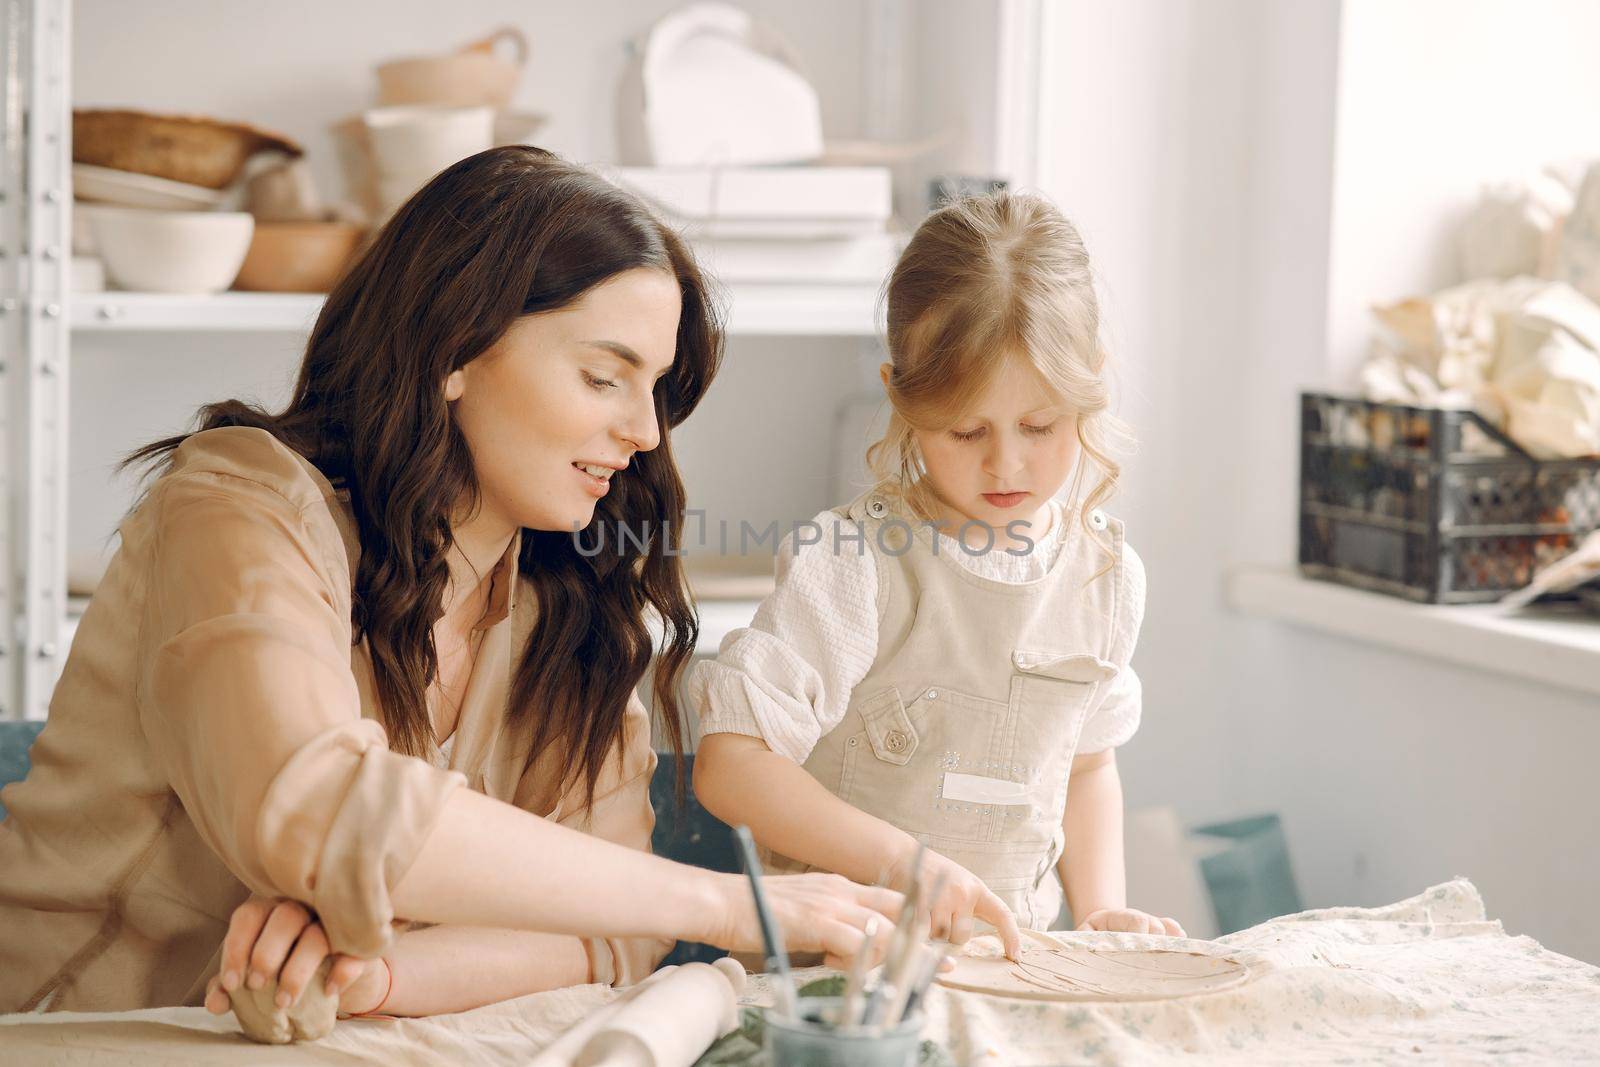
{"x": 622, "y": 813}
{"x": 248, "y": 701}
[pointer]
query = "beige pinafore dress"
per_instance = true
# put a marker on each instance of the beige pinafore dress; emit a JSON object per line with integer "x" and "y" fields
{"x": 963, "y": 731}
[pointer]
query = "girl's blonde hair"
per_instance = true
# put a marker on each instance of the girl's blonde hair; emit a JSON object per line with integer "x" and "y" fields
{"x": 985, "y": 278}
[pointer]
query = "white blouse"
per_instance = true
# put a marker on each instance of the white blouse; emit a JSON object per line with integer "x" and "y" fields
{"x": 787, "y": 678}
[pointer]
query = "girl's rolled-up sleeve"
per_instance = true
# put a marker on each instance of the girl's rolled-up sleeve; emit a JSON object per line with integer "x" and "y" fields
{"x": 1114, "y": 719}
{"x": 247, "y": 700}
{"x": 788, "y": 676}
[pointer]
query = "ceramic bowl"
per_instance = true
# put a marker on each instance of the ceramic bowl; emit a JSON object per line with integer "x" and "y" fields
{"x": 170, "y": 251}
{"x": 298, "y": 257}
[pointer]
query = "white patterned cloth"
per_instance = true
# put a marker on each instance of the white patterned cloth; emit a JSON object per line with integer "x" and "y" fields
{"x": 1427, "y": 980}
{"x": 788, "y": 676}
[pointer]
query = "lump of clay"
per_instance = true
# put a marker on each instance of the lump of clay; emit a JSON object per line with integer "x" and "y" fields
{"x": 309, "y": 1018}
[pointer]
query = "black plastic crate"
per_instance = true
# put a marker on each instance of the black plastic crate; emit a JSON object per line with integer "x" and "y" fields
{"x": 1431, "y": 504}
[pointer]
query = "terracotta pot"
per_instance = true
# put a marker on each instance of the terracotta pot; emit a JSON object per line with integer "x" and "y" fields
{"x": 299, "y": 257}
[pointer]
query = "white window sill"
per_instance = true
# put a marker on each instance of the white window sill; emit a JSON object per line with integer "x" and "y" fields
{"x": 1544, "y": 645}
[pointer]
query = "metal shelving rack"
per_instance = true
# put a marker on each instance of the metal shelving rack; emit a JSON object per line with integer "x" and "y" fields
{"x": 34, "y": 261}
{"x": 39, "y": 313}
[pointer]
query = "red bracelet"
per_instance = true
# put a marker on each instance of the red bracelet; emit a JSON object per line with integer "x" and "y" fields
{"x": 388, "y": 970}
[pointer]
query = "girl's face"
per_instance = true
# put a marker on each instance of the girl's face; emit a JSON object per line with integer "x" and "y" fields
{"x": 567, "y": 390}
{"x": 1005, "y": 459}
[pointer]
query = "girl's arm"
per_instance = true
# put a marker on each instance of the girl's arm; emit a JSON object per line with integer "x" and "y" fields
{"x": 740, "y": 780}
{"x": 1091, "y": 865}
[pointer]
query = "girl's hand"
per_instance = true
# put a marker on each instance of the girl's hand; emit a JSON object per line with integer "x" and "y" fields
{"x": 1131, "y": 921}
{"x": 825, "y": 913}
{"x": 962, "y": 899}
{"x": 269, "y": 938}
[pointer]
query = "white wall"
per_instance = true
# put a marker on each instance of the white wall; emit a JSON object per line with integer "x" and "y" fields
{"x": 1437, "y": 97}
{"x": 1193, "y": 141}
{"x": 298, "y": 67}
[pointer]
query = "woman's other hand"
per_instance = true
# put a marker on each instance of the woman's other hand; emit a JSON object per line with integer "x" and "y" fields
{"x": 825, "y": 913}
{"x": 270, "y": 938}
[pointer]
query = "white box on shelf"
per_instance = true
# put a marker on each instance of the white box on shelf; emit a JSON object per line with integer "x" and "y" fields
{"x": 764, "y": 201}
{"x": 866, "y": 259}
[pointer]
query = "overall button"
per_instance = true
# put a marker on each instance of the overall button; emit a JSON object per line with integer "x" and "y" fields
{"x": 876, "y": 508}
{"x": 894, "y": 741}
{"x": 1097, "y": 519}
{"x": 933, "y": 694}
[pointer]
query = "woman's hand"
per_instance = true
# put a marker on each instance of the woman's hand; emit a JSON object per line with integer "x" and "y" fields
{"x": 963, "y": 898}
{"x": 269, "y": 938}
{"x": 1130, "y": 921}
{"x": 825, "y": 913}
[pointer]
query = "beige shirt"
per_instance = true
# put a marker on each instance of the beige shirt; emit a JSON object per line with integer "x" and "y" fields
{"x": 214, "y": 732}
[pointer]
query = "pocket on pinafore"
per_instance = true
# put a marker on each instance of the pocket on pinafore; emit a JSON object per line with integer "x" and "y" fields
{"x": 1051, "y": 694}
{"x": 895, "y": 767}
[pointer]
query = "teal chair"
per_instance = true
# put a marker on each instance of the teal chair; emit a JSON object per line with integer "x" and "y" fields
{"x": 15, "y": 740}
{"x": 691, "y": 835}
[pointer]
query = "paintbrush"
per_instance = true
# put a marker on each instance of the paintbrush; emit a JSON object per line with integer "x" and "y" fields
{"x": 931, "y": 963}
{"x": 910, "y": 970}
{"x": 899, "y": 945}
{"x": 854, "y": 994}
{"x": 777, "y": 957}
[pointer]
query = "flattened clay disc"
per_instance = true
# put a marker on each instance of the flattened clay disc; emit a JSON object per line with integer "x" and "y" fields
{"x": 1051, "y": 970}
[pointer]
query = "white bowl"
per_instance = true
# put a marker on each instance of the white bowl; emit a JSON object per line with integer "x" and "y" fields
{"x": 409, "y": 140}
{"x": 171, "y": 251}
{"x": 124, "y": 187}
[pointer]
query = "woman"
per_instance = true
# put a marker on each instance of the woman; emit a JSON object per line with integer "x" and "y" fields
{"x": 322, "y": 623}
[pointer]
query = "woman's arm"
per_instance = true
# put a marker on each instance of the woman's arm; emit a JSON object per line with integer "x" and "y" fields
{"x": 620, "y": 811}
{"x": 427, "y": 971}
{"x": 442, "y": 969}
{"x": 551, "y": 878}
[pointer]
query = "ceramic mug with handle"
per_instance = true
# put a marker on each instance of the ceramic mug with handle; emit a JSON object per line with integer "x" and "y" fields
{"x": 477, "y": 74}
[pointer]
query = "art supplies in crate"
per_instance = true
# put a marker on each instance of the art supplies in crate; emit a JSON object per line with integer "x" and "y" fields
{"x": 1432, "y": 504}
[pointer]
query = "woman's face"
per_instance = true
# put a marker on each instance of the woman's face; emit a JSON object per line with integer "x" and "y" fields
{"x": 566, "y": 390}
{"x": 1004, "y": 459}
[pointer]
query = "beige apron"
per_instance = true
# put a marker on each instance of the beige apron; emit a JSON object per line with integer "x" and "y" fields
{"x": 963, "y": 731}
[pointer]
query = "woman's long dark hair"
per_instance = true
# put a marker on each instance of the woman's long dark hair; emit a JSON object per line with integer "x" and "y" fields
{"x": 508, "y": 232}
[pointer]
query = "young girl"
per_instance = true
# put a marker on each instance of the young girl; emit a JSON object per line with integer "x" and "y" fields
{"x": 945, "y": 658}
